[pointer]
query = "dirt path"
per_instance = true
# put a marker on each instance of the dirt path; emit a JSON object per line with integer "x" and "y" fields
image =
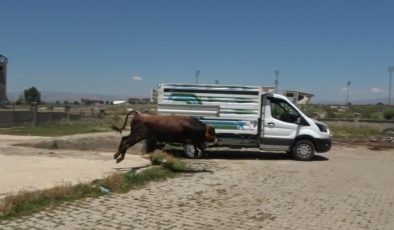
{"x": 77, "y": 158}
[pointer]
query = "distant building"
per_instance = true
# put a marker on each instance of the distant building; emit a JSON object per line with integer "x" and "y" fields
{"x": 268, "y": 89}
{"x": 138, "y": 100}
{"x": 298, "y": 98}
{"x": 3, "y": 80}
{"x": 88, "y": 101}
{"x": 118, "y": 102}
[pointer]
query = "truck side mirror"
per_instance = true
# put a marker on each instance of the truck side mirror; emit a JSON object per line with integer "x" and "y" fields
{"x": 301, "y": 121}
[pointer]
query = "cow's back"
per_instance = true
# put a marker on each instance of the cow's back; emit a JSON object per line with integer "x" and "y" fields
{"x": 172, "y": 128}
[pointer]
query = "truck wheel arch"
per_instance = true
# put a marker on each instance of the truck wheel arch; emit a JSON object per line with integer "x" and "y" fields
{"x": 303, "y": 137}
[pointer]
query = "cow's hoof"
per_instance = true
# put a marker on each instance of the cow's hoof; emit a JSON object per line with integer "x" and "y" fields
{"x": 116, "y": 155}
{"x": 119, "y": 160}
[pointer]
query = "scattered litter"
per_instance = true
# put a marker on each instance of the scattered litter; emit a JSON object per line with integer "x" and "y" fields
{"x": 104, "y": 190}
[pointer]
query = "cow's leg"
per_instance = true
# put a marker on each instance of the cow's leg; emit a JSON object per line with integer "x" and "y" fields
{"x": 121, "y": 146}
{"x": 128, "y": 142}
{"x": 138, "y": 134}
{"x": 150, "y": 145}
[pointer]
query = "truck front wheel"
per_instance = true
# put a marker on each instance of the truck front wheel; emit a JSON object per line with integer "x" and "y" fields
{"x": 303, "y": 150}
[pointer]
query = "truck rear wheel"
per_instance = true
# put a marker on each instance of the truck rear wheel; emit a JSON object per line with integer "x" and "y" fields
{"x": 189, "y": 151}
{"x": 303, "y": 150}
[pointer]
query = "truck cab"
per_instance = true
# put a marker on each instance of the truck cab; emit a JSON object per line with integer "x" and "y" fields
{"x": 287, "y": 128}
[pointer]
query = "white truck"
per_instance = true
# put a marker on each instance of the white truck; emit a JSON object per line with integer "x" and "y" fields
{"x": 246, "y": 117}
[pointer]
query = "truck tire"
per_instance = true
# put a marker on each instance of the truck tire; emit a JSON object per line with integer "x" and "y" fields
{"x": 303, "y": 150}
{"x": 189, "y": 151}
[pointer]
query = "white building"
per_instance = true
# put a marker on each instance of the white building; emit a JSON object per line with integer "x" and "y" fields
{"x": 298, "y": 98}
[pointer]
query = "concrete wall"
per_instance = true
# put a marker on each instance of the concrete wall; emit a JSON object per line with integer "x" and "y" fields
{"x": 11, "y": 118}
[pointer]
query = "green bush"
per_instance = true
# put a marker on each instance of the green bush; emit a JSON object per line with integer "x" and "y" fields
{"x": 389, "y": 114}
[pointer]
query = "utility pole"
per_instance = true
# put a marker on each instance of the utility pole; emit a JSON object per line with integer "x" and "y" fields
{"x": 276, "y": 72}
{"x": 391, "y": 70}
{"x": 347, "y": 92}
{"x": 197, "y": 74}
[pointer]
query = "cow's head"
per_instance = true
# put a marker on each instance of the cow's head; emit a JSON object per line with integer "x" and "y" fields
{"x": 209, "y": 134}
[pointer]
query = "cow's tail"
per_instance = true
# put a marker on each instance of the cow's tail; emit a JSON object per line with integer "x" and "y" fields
{"x": 114, "y": 127}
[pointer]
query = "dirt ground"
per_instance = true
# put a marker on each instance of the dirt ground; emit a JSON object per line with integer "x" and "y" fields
{"x": 30, "y": 163}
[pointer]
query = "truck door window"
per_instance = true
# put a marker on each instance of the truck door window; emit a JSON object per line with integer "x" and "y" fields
{"x": 283, "y": 111}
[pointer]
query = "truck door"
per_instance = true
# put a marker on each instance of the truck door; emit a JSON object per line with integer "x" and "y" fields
{"x": 279, "y": 124}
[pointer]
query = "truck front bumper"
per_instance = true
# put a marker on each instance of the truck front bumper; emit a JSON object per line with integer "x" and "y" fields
{"x": 322, "y": 145}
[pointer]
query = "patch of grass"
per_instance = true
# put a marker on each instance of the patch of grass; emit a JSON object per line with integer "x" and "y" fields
{"x": 167, "y": 160}
{"x": 354, "y": 131}
{"x": 28, "y": 202}
{"x": 388, "y": 114}
{"x": 56, "y": 129}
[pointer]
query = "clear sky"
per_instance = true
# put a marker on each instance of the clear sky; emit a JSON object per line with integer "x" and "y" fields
{"x": 128, "y": 46}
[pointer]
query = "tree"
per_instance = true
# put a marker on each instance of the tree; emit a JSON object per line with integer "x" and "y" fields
{"x": 20, "y": 100}
{"x": 32, "y": 95}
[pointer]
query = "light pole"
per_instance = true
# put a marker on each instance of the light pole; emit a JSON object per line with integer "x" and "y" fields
{"x": 391, "y": 70}
{"x": 276, "y": 72}
{"x": 347, "y": 92}
{"x": 197, "y": 74}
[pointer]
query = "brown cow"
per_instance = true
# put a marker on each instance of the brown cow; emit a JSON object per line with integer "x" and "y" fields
{"x": 172, "y": 129}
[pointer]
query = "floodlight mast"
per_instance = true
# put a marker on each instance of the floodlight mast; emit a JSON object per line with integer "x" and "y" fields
{"x": 276, "y": 72}
{"x": 197, "y": 74}
{"x": 347, "y": 92}
{"x": 391, "y": 70}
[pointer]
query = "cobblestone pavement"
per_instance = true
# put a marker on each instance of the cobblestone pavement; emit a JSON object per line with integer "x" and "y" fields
{"x": 350, "y": 189}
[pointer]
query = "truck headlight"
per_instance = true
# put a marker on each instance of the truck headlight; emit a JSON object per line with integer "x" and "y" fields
{"x": 323, "y": 128}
